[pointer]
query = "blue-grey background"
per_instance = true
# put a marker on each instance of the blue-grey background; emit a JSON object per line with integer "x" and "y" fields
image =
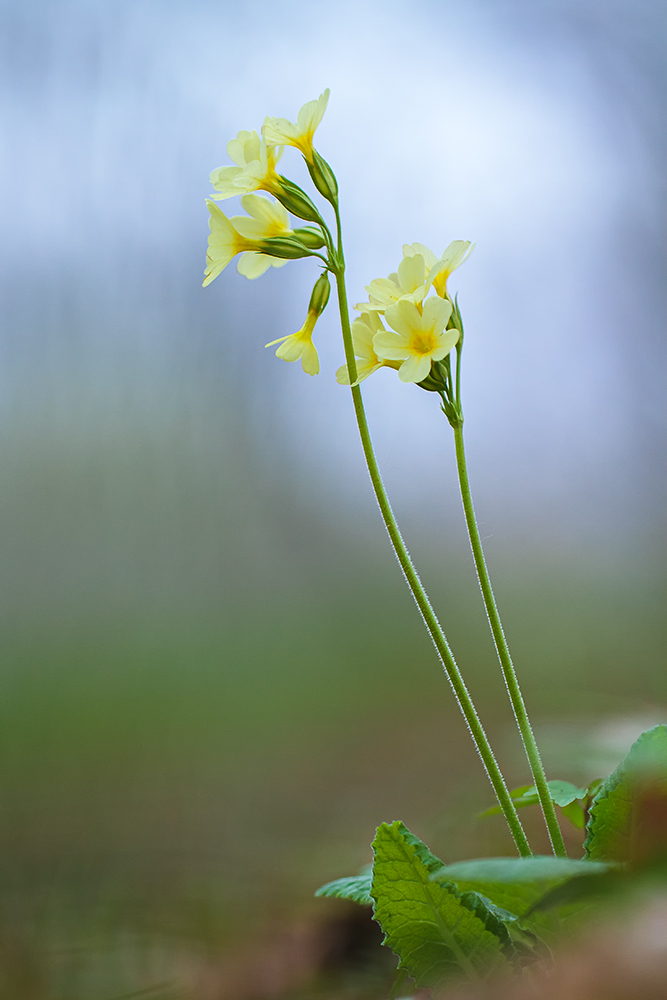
{"x": 213, "y": 683}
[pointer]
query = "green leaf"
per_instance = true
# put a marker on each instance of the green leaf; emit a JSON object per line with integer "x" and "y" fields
{"x": 562, "y": 793}
{"x": 576, "y": 815}
{"x": 619, "y": 821}
{"x": 356, "y": 888}
{"x": 433, "y": 929}
{"x": 515, "y": 884}
{"x": 583, "y": 890}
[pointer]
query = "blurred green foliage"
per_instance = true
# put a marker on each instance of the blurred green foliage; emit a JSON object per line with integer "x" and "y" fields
{"x": 212, "y": 693}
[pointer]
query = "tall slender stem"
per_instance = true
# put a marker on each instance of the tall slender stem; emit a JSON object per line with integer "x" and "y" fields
{"x": 502, "y": 649}
{"x": 415, "y": 585}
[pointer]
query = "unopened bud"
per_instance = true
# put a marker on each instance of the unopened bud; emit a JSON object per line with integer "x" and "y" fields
{"x": 430, "y": 384}
{"x": 311, "y": 238}
{"x": 323, "y": 177}
{"x": 320, "y": 295}
{"x": 282, "y": 246}
{"x": 455, "y": 321}
{"x": 296, "y": 201}
{"x": 435, "y": 380}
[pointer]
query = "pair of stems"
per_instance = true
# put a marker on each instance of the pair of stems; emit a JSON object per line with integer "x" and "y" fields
{"x": 430, "y": 620}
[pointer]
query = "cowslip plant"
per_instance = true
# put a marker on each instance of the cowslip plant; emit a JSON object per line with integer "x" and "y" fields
{"x": 481, "y": 915}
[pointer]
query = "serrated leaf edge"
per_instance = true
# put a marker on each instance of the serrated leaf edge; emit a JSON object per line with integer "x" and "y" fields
{"x": 430, "y": 863}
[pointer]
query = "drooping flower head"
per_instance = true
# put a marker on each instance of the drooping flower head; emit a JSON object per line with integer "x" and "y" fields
{"x": 244, "y": 234}
{"x": 281, "y": 132}
{"x": 364, "y": 328}
{"x": 255, "y": 168}
{"x": 267, "y": 220}
{"x": 224, "y": 243}
{"x": 300, "y": 345}
{"x": 420, "y": 337}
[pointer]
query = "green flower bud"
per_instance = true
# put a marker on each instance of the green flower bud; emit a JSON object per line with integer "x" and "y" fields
{"x": 283, "y": 246}
{"x": 296, "y": 201}
{"x": 320, "y": 295}
{"x": 431, "y": 384}
{"x": 455, "y": 321}
{"x": 311, "y": 238}
{"x": 323, "y": 177}
{"x": 435, "y": 380}
{"x": 453, "y": 414}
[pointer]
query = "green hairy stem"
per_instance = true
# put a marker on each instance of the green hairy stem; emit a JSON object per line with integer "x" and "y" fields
{"x": 430, "y": 620}
{"x": 502, "y": 649}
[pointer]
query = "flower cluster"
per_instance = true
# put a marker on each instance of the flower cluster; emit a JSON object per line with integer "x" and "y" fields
{"x": 264, "y": 237}
{"x": 423, "y": 327}
{"x": 423, "y": 330}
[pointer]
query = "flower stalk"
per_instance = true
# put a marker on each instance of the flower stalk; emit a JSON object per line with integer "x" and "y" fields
{"x": 414, "y": 583}
{"x": 425, "y": 329}
{"x": 509, "y": 673}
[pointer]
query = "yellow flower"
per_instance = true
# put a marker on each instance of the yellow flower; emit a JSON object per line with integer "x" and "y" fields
{"x": 455, "y": 255}
{"x": 364, "y": 328}
{"x": 224, "y": 243}
{"x": 438, "y": 269}
{"x": 255, "y": 169}
{"x": 280, "y": 131}
{"x": 409, "y": 281}
{"x": 242, "y": 234}
{"x": 420, "y": 337}
{"x": 300, "y": 345}
{"x": 269, "y": 219}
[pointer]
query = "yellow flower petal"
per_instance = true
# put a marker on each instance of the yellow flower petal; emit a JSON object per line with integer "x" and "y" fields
{"x": 412, "y": 249}
{"x": 281, "y": 131}
{"x": 391, "y": 346}
{"x": 254, "y": 265}
{"x": 452, "y": 257}
{"x": 415, "y": 369}
{"x": 420, "y": 337}
{"x": 254, "y": 170}
{"x": 300, "y": 345}
{"x": 224, "y": 243}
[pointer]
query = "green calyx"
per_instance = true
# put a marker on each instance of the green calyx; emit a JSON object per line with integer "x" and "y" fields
{"x": 436, "y": 380}
{"x": 439, "y": 380}
{"x": 311, "y": 238}
{"x": 285, "y": 247}
{"x": 320, "y": 295}
{"x": 297, "y": 201}
{"x": 323, "y": 177}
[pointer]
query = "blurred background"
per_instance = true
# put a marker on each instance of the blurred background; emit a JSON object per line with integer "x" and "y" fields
{"x": 214, "y": 684}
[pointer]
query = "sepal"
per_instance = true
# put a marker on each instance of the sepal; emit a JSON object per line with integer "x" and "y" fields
{"x": 320, "y": 295}
{"x": 296, "y": 201}
{"x": 283, "y": 246}
{"x": 323, "y": 177}
{"x": 312, "y": 238}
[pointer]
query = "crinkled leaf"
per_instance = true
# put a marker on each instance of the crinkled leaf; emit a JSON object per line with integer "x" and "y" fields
{"x": 626, "y": 817}
{"x": 515, "y": 884}
{"x": 356, "y": 888}
{"x": 434, "y": 929}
